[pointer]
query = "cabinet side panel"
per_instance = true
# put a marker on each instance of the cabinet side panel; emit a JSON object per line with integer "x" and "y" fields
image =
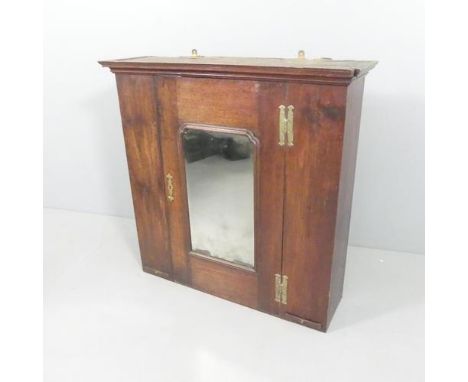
{"x": 312, "y": 179}
{"x": 345, "y": 195}
{"x": 138, "y": 111}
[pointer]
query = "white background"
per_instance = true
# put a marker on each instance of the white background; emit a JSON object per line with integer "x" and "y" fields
{"x": 20, "y": 162}
{"x": 84, "y": 160}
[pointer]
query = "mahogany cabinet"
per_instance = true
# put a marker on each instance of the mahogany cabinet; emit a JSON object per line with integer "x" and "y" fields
{"x": 242, "y": 175}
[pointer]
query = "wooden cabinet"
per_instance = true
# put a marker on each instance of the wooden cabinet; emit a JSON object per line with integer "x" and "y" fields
{"x": 242, "y": 175}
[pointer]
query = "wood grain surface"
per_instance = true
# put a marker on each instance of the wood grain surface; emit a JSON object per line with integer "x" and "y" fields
{"x": 302, "y": 193}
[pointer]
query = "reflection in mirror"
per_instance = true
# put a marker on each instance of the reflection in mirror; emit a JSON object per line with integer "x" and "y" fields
{"x": 219, "y": 167}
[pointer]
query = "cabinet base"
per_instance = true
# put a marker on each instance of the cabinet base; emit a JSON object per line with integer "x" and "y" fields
{"x": 156, "y": 272}
{"x": 286, "y": 316}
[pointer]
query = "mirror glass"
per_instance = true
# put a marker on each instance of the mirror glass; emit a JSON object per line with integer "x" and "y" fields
{"x": 219, "y": 167}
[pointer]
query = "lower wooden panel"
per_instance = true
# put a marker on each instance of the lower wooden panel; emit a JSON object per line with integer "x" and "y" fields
{"x": 228, "y": 282}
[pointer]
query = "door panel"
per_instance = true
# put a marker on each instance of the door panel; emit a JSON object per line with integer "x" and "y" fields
{"x": 240, "y": 109}
{"x": 312, "y": 180}
{"x": 223, "y": 280}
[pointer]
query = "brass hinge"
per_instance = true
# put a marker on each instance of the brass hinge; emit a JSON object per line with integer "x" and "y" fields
{"x": 170, "y": 187}
{"x": 286, "y": 125}
{"x": 281, "y": 289}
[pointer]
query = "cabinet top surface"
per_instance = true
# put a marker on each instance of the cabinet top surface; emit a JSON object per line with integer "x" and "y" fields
{"x": 299, "y": 66}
